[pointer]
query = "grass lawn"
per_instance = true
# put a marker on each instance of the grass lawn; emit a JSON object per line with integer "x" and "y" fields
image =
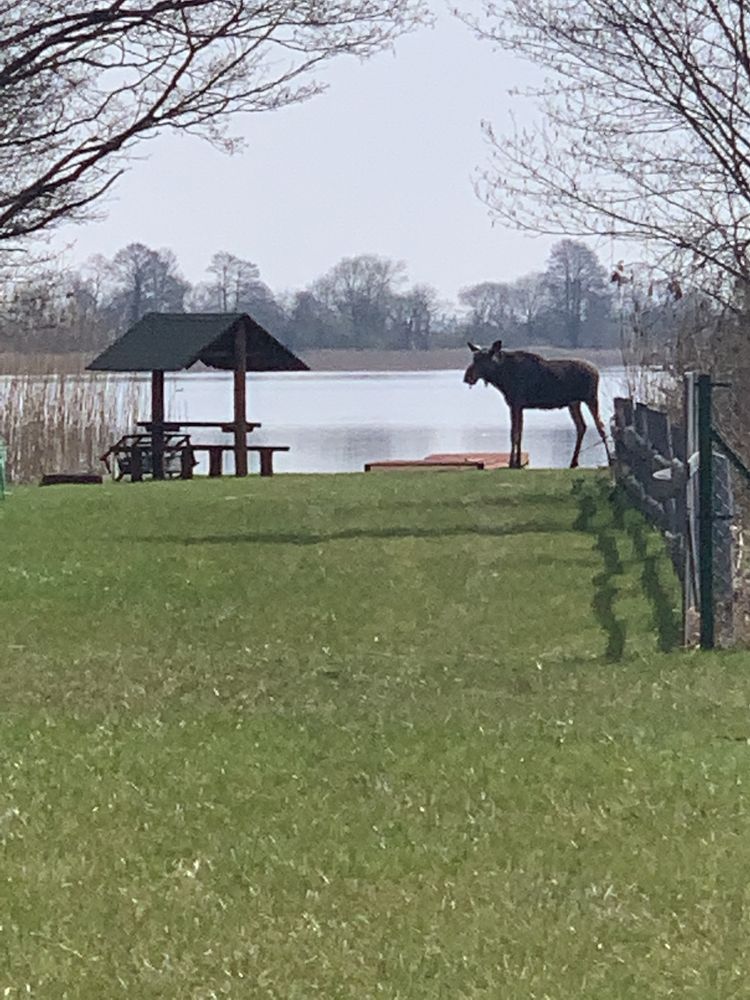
{"x": 385, "y": 736}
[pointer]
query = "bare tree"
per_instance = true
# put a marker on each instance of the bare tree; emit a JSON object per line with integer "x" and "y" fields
{"x": 55, "y": 312}
{"x": 577, "y": 288}
{"x": 236, "y": 286}
{"x": 232, "y": 280}
{"x": 491, "y": 314}
{"x": 81, "y": 81}
{"x": 412, "y": 316}
{"x": 311, "y": 323}
{"x": 644, "y": 130}
{"x": 361, "y": 290}
{"x": 145, "y": 280}
{"x": 528, "y": 300}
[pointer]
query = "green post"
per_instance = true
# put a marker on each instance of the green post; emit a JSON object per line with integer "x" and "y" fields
{"x": 705, "y": 513}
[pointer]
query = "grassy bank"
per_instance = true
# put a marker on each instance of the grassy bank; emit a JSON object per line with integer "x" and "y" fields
{"x": 359, "y": 736}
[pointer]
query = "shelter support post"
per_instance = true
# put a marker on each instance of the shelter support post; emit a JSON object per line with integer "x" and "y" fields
{"x": 240, "y": 401}
{"x": 157, "y": 422}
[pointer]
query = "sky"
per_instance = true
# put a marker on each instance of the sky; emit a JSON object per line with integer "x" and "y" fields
{"x": 383, "y": 162}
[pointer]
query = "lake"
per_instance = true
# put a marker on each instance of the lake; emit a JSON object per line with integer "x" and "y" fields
{"x": 337, "y": 421}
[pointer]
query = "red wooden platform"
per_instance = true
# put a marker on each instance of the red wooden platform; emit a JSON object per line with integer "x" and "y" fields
{"x": 449, "y": 460}
{"x": 490, "y": 459}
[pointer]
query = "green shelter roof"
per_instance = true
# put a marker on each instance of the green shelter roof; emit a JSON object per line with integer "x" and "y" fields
{"x": 171, "y": 342}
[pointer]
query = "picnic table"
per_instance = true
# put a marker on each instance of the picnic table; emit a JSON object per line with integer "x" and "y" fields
{"x": 226, "y": 426}
{"x": 163, "y": 343}
{"x": 134, "y": 454}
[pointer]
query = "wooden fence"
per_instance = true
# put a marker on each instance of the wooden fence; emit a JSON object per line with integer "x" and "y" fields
{"x": 672, "y": 474}
{"x": 650, "y": 466}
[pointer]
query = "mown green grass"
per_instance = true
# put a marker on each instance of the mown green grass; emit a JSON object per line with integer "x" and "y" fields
{"x": 403, "y": 736}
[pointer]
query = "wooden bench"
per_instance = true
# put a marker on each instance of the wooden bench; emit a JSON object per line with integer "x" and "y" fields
{"x": 216, "y": 456}
{"x": 70, "y": 478}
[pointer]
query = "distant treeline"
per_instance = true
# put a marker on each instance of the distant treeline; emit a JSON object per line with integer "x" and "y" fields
{"x": 362, "y": 302}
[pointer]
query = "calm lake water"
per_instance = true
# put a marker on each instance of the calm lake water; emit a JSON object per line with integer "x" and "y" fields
{"x": 337, "y": 421}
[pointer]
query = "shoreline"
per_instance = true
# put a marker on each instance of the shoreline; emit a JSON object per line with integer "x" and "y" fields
{"x": 324, "y": 360}
{"x": 438, "y": 359}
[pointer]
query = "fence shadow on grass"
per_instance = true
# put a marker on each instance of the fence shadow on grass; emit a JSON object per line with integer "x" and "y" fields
{"x": 619, "y": 517}
{"x": 665, "y": 617}
{"x": 605, "y": 589}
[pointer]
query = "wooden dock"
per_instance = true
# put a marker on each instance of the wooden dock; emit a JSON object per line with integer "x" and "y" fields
{"x": 489, "y": 459}
{"x": 448, "y": 461}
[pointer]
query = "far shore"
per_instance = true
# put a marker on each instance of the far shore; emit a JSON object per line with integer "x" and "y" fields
{"x": 328, "y": 360}
{"x": 439, "y": 359}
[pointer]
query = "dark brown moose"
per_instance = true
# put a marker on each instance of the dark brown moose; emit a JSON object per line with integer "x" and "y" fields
{"x": 528, "y": 381}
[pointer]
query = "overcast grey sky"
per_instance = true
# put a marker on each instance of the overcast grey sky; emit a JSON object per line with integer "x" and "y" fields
{"x": 381, "y": 163}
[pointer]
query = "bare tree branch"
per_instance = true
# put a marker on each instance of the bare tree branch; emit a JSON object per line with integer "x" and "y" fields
{"x": 642, "y": 129}
{"x": 82, "y": 81}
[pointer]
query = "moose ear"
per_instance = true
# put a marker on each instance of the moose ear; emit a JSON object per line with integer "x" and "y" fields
{"x": 473, "y": 347}
{"x": 497, "y": 347}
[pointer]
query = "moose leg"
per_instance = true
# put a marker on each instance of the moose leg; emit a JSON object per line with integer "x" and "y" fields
{"x": 519, "y": 435}
{"x": 575, "y": 412}
{"x": 593, "y": 405}
{"x": 515, "y": 434}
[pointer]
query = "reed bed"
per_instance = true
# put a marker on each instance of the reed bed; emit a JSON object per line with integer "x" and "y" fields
{"x": 55, "y": 422}
{"x": 17, "y": 363}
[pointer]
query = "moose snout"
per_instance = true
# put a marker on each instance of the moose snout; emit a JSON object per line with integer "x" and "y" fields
{"x": 470, "y": 376}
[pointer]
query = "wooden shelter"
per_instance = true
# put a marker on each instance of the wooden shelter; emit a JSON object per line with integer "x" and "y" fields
{"x": 172, "y": 342}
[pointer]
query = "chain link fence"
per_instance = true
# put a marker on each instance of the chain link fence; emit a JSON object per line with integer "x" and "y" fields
{"x": 664, "y": 336}
{"x": 730, "y": 431}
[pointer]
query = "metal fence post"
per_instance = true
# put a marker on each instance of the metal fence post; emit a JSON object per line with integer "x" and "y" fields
{"x": 705, "y": 513}
{"x": 689, "y": 504}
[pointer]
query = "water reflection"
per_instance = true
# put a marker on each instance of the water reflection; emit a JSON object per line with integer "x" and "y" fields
{"x": 335, "y": 422}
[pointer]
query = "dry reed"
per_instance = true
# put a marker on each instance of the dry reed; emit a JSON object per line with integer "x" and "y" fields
{"x": 63, "y": 422}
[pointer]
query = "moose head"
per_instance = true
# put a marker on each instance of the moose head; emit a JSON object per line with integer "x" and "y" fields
{"x": 484, "y": 363}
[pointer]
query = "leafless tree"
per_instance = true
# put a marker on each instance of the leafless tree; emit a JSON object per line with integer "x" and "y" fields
{"x": 81, "y": 81}
{"x": 361, "y": 290}
{"x": 55, "y": 311}
{"x": 145, "y": 280}
{"x": 529, "y": 300}
{"x": 491, "y": 311}
{"x": 232, "y": 280}
{"x": 412, "y": 314}
{"x": 236, "y": 286}
{"x": 640, "y": 130}
{"x": 577, "y": 288}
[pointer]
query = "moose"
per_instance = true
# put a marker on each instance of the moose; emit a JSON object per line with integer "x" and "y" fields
{"x": 528, "y": 381}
